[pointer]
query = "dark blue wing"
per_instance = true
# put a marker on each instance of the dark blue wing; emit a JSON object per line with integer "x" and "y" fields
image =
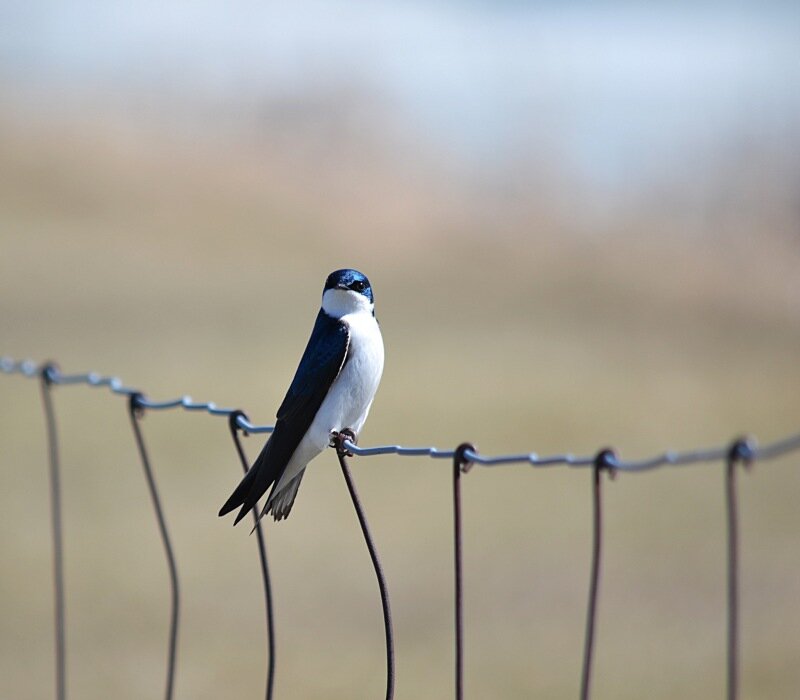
{"x": 321, "y": 363}
{"x": 323, "y": 359}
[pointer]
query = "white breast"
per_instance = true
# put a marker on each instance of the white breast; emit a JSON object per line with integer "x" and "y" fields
{"x": 349, "y": 399}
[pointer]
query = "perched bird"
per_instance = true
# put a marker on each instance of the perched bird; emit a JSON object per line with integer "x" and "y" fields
{"x": 331, "y": 392}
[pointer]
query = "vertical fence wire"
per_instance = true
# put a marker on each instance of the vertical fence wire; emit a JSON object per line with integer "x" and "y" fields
{"x": 740, "y": 451}
{"x": 56, "y": 524}
{"x": 459, "y": 462}
{"x": 733, "y": 583}
{"x": 135, "y": 411}
{"x": 602, "y": 461}
{"x": 341, "y": 452}
{"x": 262, "y": 553}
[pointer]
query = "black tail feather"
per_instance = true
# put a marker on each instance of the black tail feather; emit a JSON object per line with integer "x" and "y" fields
{"x": 237, "y": 497}
{"x": 252, "y": 487}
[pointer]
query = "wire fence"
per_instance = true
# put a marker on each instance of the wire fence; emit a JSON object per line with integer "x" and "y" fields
{"x": 740, "y": 451}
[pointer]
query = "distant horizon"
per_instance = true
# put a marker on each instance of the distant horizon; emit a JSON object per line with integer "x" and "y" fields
{"x": 609, "y": 91}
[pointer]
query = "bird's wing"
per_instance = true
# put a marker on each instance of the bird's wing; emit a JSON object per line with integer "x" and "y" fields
{"x": 323, "y": 359}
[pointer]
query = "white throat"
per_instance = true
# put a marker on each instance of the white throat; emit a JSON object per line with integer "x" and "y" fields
{"x": 341, "y": 302}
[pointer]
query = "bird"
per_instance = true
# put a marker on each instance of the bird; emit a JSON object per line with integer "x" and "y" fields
{"x": 330, "y": 395}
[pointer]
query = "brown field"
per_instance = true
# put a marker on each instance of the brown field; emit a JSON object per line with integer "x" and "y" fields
{"x": 193, "y": 264}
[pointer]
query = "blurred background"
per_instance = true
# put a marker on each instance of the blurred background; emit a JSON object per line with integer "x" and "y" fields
{"x": 582, "y": 224}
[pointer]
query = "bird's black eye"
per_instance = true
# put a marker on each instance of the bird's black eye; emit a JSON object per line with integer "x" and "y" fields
{"x": 358, "y": 286}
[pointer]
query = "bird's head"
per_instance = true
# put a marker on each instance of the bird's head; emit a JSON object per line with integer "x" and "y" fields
{"x": 346, "y": 292}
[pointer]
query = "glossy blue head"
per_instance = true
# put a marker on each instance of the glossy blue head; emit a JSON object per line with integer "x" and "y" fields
{"x": 349, "y": 279}
{"x": 347, "y": 291}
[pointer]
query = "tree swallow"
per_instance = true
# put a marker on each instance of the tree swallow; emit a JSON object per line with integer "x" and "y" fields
{"x": 331, "y": 392}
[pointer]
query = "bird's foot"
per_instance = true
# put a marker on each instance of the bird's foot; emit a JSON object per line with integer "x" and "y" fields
{"x": 338, "y": 438}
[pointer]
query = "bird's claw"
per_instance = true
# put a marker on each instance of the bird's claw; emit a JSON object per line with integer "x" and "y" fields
{"x": 338, "y": 438}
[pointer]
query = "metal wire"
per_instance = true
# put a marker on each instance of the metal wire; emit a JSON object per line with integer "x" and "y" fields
{"x": 459, "y": 464}
{"x": 341, "y": 451}
{"x": 262, "y": 554}
{"x": 738, "y": 453}
{"x": 773, "y": 450}
{"x": 601, "y": 462}
{"x": 56, "y": 525}
{"x": 135, "y": 410}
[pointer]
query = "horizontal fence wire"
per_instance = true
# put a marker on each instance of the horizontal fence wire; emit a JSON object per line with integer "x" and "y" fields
{"x": 742, "y": 451}
{"x": 751, "y": 450}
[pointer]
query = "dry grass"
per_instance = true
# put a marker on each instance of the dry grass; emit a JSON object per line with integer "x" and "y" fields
{"x": 187, "y": 265}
